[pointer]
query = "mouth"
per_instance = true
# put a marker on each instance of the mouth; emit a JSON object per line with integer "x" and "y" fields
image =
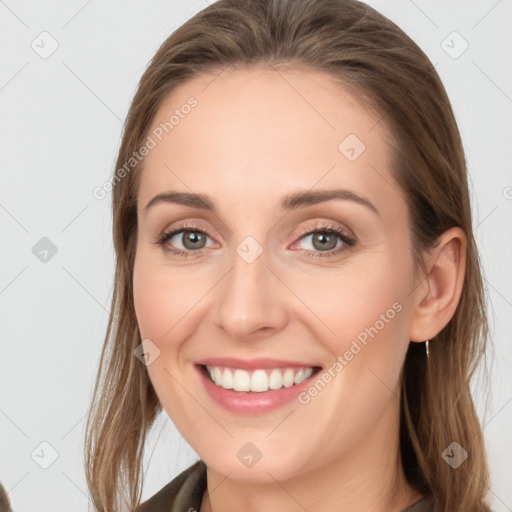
{"x": 254, "y": 387}
{"x": 257, "y": 380}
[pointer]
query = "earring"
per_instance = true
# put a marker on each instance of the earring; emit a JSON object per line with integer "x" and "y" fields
{"x": 426, "y": 348}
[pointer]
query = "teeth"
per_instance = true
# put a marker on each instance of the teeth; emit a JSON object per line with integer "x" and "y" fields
{"x": 298, "y": 376}
{"x": 259, "y": 380}
{"x": 288, "y": 377}
{"x": 275, "y": 380}
{"x": 241, "y": 381}
{"x": 227, "y": 379}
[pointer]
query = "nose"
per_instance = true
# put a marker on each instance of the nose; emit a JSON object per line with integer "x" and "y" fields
{"x": 251, "y": 301}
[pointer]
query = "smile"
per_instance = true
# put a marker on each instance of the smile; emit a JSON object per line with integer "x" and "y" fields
{"x": 253, "y": 387}
{"x": 258, "y": 380}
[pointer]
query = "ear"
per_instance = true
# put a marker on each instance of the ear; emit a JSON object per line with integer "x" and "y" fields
{"x": 437, "y": 297}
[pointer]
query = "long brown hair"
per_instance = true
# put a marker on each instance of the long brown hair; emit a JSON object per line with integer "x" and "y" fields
{"x": 379, "y": 64}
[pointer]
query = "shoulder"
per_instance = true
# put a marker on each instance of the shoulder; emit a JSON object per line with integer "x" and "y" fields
{"x": 425, "y": 504}
{"x": 182, "y": 493}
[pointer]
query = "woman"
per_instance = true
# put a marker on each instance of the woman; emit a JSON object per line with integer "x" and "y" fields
{"x": 297, "y": 283}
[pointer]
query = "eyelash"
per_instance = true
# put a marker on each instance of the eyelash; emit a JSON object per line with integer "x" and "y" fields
{"x": 324, "y": 229}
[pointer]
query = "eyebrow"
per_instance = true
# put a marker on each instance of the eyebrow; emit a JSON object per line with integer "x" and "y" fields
{"x": 291, "y": 201}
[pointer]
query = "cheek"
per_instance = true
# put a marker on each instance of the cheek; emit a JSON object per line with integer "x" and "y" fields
{"x": 161, "y": 298}
{"x": 347, "y": 301}
{"x": 154, "y": 302}
{"x": 360, "y": 313}
{"x": 170, "y": 304}
{"x": 161, "y": 305}
{"x": 361, "y": 317}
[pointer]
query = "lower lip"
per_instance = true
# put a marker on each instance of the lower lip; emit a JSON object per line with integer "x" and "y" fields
{"x": 252, "y": 402}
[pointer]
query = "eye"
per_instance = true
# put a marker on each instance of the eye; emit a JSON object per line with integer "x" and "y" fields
{"x": 324, "y": 241}
{"x": 192, "y": 238}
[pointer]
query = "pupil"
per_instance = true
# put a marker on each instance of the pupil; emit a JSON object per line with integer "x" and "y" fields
{"x": 194, "y": 238}
{"x": 322, "y": 237}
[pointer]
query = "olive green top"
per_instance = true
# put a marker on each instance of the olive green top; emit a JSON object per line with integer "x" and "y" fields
{"x": 185, "y": 494}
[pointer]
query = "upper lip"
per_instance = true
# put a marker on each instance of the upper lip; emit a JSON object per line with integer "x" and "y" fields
{"x": 252, "y": 364}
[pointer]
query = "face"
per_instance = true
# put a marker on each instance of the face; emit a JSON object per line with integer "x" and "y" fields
{"x": 262, "y": 277}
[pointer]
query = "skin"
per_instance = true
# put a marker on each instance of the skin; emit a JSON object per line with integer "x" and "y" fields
{"x": 255, "y": 136}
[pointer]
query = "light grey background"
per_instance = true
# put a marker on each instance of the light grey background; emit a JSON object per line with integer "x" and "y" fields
{"x": 61, "y": 120}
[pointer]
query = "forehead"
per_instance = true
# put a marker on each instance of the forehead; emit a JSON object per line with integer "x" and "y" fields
{"x": 260, "y": 132}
